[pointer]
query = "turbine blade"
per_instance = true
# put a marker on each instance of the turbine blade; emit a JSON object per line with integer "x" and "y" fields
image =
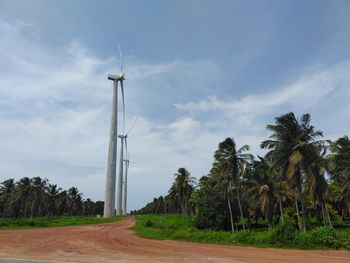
{"x": 128, "y": 64}
{"x": 132, "y": 126}
{"x": 123, "y": 99}
{"x": 121, "y": 59}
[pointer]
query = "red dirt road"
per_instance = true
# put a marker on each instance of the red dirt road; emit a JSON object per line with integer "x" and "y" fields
{"x": 114, "y": 242}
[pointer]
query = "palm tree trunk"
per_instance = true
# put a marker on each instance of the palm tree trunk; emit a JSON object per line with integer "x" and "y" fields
{"x": 230, "y": 210}
{"x": 323, "y": 214}
{"x": 240, "y": 207}
{"x": 281, "y": 210}
{"x": 301, "y": 191}
{"x": 297, "y": 209}
{"x": 326, "y": 210}
{"x": 32, "y": 207}
{"x": 5, "y": 208}
{"x": 303, "y": 210}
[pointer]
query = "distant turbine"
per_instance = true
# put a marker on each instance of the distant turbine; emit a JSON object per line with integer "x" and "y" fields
{"x": 120, "y": 176}
{"x": 127, "y": 162}
{"x": 123, "y": 140}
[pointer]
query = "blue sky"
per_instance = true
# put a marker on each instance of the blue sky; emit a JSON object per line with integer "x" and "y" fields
{"x": 202, "y": 71}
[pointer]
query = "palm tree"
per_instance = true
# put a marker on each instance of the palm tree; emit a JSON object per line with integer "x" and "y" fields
{"x": 23, "y": 192}
{"x": 75, "y": 200}
{"x": 261, "y": 185}
{"x": 53, "y": 192}
{"x": 184, "y": 185}
{"x": 233, "y": 162}
{"x": 293, "y": 148}
{"x": 38, "y": 191}
{"x": 225, "y": 181}
{"x": 339, "y": 162}
{"x": 6, "y": 190}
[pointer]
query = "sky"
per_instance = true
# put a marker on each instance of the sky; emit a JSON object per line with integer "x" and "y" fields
{"x": 200, "y": 71}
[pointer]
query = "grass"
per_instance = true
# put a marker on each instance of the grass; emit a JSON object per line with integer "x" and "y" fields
{"x": 177, "y": 227}
{"x": 23, "y": 223}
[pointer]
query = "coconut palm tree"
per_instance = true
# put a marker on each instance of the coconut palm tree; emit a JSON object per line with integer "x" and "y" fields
{"x": 53, "y": 193}
{"x": 38, "y": 193}
{"x": 6, "y": 191}
{"x": 184, "y": 185}
{"x": 75, "y": 200}
{"x": 233, "y": 163}
{"x": 224, "y": 180}
{"x": 23, "y": 191}
{"x": 339, "y": 164}
{"x": 293, "y": 148}
{"x": 261, "y": 185}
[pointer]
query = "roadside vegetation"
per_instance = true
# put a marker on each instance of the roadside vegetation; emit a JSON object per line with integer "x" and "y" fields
{"x": 23, "y": 223}
{"x": 34, "y": 202}
{"x": 37, "y": 197}
{"x": 178, "y": 227}
{"x": 301, "y": 185}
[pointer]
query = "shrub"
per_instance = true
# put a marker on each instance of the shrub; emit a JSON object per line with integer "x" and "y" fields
{"x": 244, "y": 237}
{"x": 283, "y": 233}
{"x": 320, "y": 237}
{"x": 147, "y": 223}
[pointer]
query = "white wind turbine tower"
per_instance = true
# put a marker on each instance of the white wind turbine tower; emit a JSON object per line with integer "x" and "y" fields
{"x": 109, "y": 203}
{"x": 127, "y": 162}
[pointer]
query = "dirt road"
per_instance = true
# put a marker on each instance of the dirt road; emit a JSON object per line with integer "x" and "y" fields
{"x": 114, "y": 242}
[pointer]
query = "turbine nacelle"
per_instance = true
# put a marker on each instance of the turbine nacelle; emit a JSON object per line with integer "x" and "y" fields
{"x": 120, "y": 77}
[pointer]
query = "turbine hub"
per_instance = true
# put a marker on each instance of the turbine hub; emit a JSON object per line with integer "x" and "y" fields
{"x": 116, "y": 77}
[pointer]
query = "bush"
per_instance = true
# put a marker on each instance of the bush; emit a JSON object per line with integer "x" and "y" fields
{"x": 147, "y": 223}
{"x": 244, "y": 237}
{"x": 321, "y": 237}
{"x": 284, "y": 233}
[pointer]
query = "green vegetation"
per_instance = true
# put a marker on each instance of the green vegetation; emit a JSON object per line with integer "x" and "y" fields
{"x": 21, "y": 223}
{"x": 302, "y": 180}
{"x": 178, "y": 227}
{"x": 36, "y": 197}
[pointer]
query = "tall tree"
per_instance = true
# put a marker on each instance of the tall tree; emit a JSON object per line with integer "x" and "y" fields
{"x": 293, "y": 148}
{"x": 261, "y": 185}
{"x": 7, "y": 189}
{"x": 53, "y": 194}
{"x": 38, "y": 192}
{"x": 184, "y": 185}
{"x": 339, "y": 161}
{"x": 233, "y": 164}
{"x": 224, "y": 180}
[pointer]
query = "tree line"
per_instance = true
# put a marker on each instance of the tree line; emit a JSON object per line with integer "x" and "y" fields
{"x": 34, "y": 197}
{"x": 302, "y": 179}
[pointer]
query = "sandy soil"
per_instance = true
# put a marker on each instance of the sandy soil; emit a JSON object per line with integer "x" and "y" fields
{"x": 114, "y": 242}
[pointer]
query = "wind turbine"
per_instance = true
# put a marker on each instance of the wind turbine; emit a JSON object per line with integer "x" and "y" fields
{"x": 109, "y": 203}
{"x": 123, "y": 138}
{"x": 127, "y": 162}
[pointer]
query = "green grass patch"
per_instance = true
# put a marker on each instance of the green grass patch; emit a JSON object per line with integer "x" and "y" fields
{"x": 22, "y": 223}
{"x": 177, "y": 227}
